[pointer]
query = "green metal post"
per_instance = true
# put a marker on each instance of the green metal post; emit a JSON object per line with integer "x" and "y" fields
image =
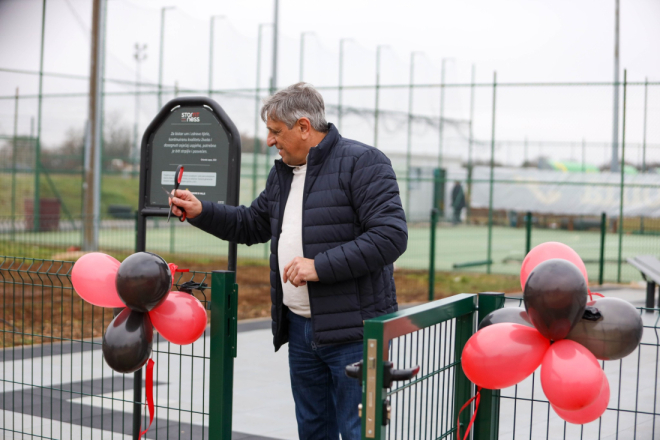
{"x": 434, "y": 222}
{"x": 13, "y": 169}
{"x": 601, "y": 261}
{"x": 373, "y": 392}
{"x": 224, "y": 302}
{"x": 36, "y": 217}
{"x": 441, "y": 122}
{"x": 409, "y": 140}
{"x": 487, "y": 421}
{"x": 470, "y": 145}
{"x": 528, "y": 232}
{"x": 646, "y": 96}
{"x": 623, "y": 167}
{"x": 172, "y": 237}
{"x": 462, "y": 385}
{"x": 490, "y": 192}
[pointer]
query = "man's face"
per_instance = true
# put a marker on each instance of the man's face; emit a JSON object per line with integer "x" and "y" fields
{"x": 289, "y": 142}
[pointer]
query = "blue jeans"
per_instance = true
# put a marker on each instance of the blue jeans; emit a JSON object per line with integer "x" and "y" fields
{"x": 326, "y": 399}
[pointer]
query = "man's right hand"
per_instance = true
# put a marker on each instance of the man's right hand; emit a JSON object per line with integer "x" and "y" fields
{"x": 186, "y": 200}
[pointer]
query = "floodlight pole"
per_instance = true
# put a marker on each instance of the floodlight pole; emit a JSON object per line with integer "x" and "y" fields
{"x": 13, "y": 168}
{"x": 615, "y": 113}
{"x": 276, "y": 20}
{"x": 340, "y": 88}
{"x": 211, "y": 53}
{"x": 409, "y": 140}
{"x": 377, "y": 110}
{"x": 442, "y": 112}
{"x": 160, "y": 58}
{"x": 302, "y": 52}
{"x": 36, "y": 209}
{"x": 139, "y": 56}
{"x": 470, "y": 143}
{"x": 92, "y": 183}
{"x": 257, "y": 144}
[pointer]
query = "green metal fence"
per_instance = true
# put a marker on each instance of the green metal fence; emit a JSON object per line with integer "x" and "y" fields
{"x": 633, "y": 411}
{"x": 56, "y": 385}
{"x": 431, "y": 336}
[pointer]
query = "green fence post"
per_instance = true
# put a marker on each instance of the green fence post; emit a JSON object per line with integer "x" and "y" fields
{"x": 224, "y": 308}
{"x": 601, "y": 262}
{"x": 434, "y": 222}
{"x": 487, "y": 420}
{"x": 373, "y": 393}
{"x": 462, "y": 385}
{"x": 528, "y": 236}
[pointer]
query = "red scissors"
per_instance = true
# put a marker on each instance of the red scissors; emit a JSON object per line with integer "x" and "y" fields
{"x": 178, "y": 175}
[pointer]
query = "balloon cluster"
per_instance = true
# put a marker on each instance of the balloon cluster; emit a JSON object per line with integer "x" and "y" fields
{"x": 141, "y": 285}
{"x": 559, "y": 329}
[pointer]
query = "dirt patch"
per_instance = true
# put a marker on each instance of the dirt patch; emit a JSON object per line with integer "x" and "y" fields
{"x": 39, "y": 304}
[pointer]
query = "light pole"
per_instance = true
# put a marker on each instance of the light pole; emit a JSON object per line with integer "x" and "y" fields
{"x": 276, "y": 21}
{"x": 410, "y": 118}
{"x": 379, "y": 48}
{"x": 257, "y": 144}
{"x": 160, "y": 58}
{"x": 139, "y": 56}
{"x": 614, "y": 164}
{"x": 442, "y": 112}
{"x": 340, "y": 88}
{"x": 211, "y": 53}
{"x": 302, "y": 51}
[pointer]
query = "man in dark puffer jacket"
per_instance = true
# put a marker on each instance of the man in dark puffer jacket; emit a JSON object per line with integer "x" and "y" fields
{"x": 332, "y": 211}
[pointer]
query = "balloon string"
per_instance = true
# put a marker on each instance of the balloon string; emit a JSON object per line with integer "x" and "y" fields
{"x": 149, "y": 389}
{"x": 598, "y": 294}
{"x": 477, "y": 399}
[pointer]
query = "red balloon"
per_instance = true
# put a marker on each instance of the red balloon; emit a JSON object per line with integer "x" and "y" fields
{"x": 93, "y": 277}
{"x": 590, "y": 412}
{"x": 547, "y": 251}
{"x": 180, "y": 319}
{"x": 570, "y": 376}
{"x": 501, "y": 355}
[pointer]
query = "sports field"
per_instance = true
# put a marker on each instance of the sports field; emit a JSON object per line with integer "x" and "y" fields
{"x": 454, "y": 245}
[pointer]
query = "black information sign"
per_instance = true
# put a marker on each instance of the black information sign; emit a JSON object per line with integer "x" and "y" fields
{"x": 197, "y": 134}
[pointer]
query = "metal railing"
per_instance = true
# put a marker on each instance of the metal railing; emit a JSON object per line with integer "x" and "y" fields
{"x": 56, "y": 385}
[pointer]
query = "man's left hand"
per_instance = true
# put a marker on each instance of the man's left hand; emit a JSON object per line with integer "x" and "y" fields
{"x": 299, "y": 271}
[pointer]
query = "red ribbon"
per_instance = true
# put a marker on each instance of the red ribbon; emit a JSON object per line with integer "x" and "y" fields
{"x": 174, "y": 268}
{"x": 477, "y": 399}
{"x": 149, "y": 390}
{"x": 594, "y": 293}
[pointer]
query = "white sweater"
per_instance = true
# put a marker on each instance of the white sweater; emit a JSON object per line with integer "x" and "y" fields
{"x": 290, "y": 243}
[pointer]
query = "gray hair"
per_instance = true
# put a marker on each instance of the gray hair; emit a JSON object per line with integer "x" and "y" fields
{"x": 297, "y": 101}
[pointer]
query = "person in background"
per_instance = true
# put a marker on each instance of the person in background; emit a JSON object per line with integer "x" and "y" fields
{"x": 332, "y": 212}
{"x": 457, "y": 202}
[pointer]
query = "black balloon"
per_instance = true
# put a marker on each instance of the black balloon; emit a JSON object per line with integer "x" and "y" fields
{"x": 143, "y": 281}
{"x": 517, "y": 315}
{"x": 615, "y": 334}
{"x": 555, "y": 297}
{"x": 127, "y": 341}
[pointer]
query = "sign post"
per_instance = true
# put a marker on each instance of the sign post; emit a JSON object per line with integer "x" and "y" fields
{"x": 194, "y": 132}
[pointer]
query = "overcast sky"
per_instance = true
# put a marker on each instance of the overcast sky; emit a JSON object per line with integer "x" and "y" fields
{"x": 524, "y": 40}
